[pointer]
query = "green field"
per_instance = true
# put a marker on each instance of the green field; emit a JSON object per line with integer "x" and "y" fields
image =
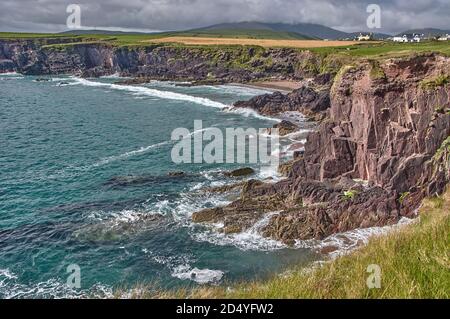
{"x": 386, "y": 49}
{"x": 381, "y": 49}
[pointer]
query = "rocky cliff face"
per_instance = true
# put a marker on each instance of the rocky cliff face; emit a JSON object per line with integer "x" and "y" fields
{"x": 198, "y": 64}
{"x": 384, "y": 125}
{"x": 383, "y": 148}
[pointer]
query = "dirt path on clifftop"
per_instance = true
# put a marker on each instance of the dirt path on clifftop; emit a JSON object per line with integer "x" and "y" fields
{"x": 260, "y": 42}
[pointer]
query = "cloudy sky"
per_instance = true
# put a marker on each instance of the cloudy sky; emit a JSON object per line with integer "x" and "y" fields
{"x": 153, "y": 15}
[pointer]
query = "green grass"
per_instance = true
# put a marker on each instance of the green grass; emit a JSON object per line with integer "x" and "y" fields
{"x": 431, "y": 84}
{"x": 350, "y": 194}
{"x": 16, "y": 35}
{"x": 387, "y": 49}
{"x": 364, "y": 50}
{"x": 414, "y": 261}
{"x": 376, "y": 72}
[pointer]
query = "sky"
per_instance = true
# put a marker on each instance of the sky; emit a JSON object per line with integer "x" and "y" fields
{"x": 164, "y": 15}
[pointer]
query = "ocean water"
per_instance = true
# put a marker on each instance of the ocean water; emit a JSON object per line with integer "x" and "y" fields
{"x": 84, "y": 179}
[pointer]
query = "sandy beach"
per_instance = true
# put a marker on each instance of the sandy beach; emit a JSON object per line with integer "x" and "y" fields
{"x": 284, "y": 86}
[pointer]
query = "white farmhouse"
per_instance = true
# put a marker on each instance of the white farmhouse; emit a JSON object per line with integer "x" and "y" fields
{"x": 416, "y": 38}
{"x": 408, "y": 38}
{"x": 365, "y": 37}
{"x": 402, "y": 38}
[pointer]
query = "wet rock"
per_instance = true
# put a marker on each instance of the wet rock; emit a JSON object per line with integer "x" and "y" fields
{"x": 284, "y": 128}
{"x": 245, "y": 171}
{"x": 225, "y": 188}
{"x": 42, "y": 80}
{"x": 177, "y": 173}
{"x": 210, "y": 215}
{"x": 305, "y": 100}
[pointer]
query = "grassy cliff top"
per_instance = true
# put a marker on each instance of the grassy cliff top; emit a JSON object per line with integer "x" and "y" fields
{"x": 378, "y": 49}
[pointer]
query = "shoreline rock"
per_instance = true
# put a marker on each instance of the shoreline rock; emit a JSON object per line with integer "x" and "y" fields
{"x": 240, "y": 172}
{"x": 383, "y": 147}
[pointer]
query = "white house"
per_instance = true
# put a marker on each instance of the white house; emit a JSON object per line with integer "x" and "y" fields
{"x": 416, "y": 38}
{"x": 403, "y": 38}
{"x": 408, "y": 38}
{"x": 365, "y": 37}
{"x": 444, "y": 37}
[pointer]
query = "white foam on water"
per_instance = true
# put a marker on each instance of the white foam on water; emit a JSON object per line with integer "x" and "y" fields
{"x": 141, "y": 150}
{"x": 60, "y": 79}
{"x": 11, "y": 288}
{"x": 346, "y": 242}
{"x": 126, "y": 155}
{"x": 240, "y": 90}
{"x": 294, "y": 116}
{"x": 269, "y": 171}
{"x": 179, "y": 266}
{"x": 10, "y": 74}
{"x": 250, "y": 240}
{"x": 114, "y": 76}
{"x": 6, "y": 273}
{"x": 154, "y": 93}
{"x": 200, "y": 276}
{"x": 7, "y": 76}
{"x": 251, "y": 113}
{"x": 168, "y": 83}
{"x": 73, "y": 171}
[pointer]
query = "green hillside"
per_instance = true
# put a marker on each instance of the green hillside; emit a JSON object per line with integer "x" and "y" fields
{"x": 244, "y": 34}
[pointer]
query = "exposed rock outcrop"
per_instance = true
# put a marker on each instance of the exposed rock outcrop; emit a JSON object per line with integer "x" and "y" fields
{"x": 245, "y": 171}
{"x": 306, "y": 100}
{"x": 383, "y": 148}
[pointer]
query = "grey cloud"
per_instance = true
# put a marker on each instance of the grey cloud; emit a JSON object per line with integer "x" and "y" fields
{"x": 50, "y": 15}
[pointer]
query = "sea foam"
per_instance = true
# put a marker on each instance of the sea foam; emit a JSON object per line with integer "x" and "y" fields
{"x": 141, "y": 90}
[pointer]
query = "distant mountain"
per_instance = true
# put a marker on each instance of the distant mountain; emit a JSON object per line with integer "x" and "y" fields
{"x": 261, "y": 30}
{"x": 303, "y": 30}
{"x": 426, "y": 31}
{"x": 242, "y": 33}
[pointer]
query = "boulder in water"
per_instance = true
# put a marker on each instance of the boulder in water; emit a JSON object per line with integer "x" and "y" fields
{"x": 245, "y": 171}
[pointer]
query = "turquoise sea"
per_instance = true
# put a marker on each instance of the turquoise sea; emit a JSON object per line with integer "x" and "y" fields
{"x": 84, "y": 169}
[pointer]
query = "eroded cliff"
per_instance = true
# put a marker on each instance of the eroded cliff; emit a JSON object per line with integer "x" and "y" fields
{"x": 383, "y": 147}
{"x": 162, "y": 62}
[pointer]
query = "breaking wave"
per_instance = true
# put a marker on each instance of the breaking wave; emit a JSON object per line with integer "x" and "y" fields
{"x": 344, "y": 243}
{"x": 250, "y": 239}
{"x": 200, "y": 276}
{"x": 141, "y": 90}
